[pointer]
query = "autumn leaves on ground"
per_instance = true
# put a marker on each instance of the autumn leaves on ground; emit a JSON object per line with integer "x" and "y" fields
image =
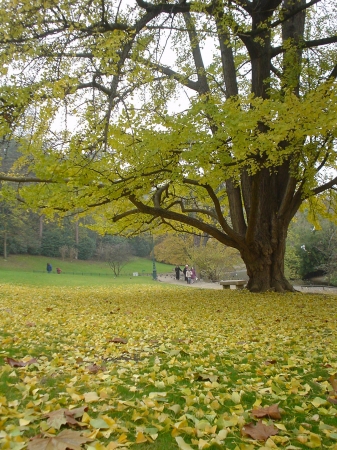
{"x": 164, "y": 367}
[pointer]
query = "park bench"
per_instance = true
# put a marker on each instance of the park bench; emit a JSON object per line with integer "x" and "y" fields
{"x": 233, "y": 284}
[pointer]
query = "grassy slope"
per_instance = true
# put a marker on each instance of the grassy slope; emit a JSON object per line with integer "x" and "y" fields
{"x": 26, "y": 269}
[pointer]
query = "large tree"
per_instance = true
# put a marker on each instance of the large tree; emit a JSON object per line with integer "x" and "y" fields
{"x": 217, "y": 116}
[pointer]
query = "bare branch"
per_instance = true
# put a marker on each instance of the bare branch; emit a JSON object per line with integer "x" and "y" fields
{"x": 333, "y": 73}
{"x": 306, "y": 44}
{"x": 288, "y": 15}
{"x": 24, "y": 179}
{"x": 188, "y": 220}
{"x": 164, "y": 7}
{"x": 182, "y": 79}
{"x": 94, "y": 85}
{"x": 324, "y": 187}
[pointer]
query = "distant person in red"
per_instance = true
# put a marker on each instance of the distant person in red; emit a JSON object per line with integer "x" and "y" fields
{"x": 193, "y": 275}
{"x": 58, "y": 270}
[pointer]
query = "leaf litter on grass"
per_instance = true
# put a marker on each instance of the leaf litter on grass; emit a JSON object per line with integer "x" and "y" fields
{"x": 196, "y": 370}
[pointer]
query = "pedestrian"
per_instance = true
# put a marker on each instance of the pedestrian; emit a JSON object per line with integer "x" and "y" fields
{"x": 177, "y": 270}
{"x": 188, "y": 276}
{"x": 49, "y": 268}
{"x": 58, "y": 270}
{"x": 184, "y": 271}
{"x": 193, "y": 275}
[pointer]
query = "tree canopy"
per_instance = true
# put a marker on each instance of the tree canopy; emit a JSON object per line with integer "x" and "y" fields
{"x": 217, "y": 116}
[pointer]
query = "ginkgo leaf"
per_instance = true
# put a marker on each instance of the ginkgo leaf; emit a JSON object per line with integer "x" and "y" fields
{"x": 140, "y": 438}
{"x": 175, "y": 408}
{"x": 260, "y": 431}
{"x": 182, "y": 444}
{"x": 99, "y": 423}
{"x": 67, "y": 439}
{"x": 314, "y": 442}
{"x": 318, "y": 401}
{"x": 91, "y": 397}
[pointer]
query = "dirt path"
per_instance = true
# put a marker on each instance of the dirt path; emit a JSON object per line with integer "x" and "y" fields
{"x": 171, "y": 279}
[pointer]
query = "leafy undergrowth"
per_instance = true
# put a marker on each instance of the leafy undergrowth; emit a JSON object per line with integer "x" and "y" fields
{"x": 150, "y": 367}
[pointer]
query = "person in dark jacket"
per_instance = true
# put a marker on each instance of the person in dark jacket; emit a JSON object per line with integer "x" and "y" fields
{"x": 177, "y": 270}
{"x": 184, "y": 271}
{"x": 49, "y": 268}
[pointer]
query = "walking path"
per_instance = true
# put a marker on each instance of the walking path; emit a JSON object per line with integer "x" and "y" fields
{"x": 171, "y": 279}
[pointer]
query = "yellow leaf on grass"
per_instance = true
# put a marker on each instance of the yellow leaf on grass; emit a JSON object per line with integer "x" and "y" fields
{"x": 317, "y": 401}
{"x": 222, "y": 434}
{"x": 122, "y": 438}
{"x": 136, "y": 416}
{"x": 91, "y": 397}
{"x": 92, "y": 434}
{"x": 303, "y": 439}
{"x": 175, "y": 408}
{"x": 85, "y": 418}
{"x": 182, "y": 444}
{"x": 280, "y": 426}
{"x": 23, "y": 422}
{"x": 247, "y": 446}
{"x": 202, "y": 444}
{"x": 140, "y": 438}
{"x": 236, "y": 397}
{"x": 315, "y": 441}
{"x": 113, "y": 445}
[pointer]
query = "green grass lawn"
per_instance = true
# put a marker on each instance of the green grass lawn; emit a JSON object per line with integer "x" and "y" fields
{"x": 164, "y": 367}
{"x": 26, "y": 269}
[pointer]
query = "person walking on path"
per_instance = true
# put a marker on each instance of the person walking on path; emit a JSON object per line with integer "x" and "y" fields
{"x": 177, "y": 271}
{"x": 184, "y": 271}
{"x": 193, "y": 275}
{"x": 188, "y": 276}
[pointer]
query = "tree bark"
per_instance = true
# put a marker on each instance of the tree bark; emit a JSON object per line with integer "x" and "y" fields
{"x": 265, "y": 265}
{"x": 5, "y": 244}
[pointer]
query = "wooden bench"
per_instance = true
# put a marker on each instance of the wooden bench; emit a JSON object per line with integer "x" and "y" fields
{"x": 233, "y": 284}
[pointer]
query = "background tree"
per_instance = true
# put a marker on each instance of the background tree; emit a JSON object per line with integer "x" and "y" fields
{"x": 174, "y": 249}
{"x": 141, "y": 246}
{"x": 312, "y": 249}
{"x": 213, "y": 260}
{"x": 219, "y": 116}
{"x": 118, "y": 255}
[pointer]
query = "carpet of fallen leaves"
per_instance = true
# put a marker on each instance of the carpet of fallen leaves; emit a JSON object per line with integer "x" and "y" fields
{"x": 164, "y": 367}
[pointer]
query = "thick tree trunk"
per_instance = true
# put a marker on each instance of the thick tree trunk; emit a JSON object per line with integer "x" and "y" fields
{"x": 265, "y": 263}
{"x": 41, "y": 227}
{"x": 266, "y": 274}
{"x": 5, "y": 244}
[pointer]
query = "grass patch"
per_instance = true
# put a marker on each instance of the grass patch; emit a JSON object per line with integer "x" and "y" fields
{"x": 29, "y": 263}
{"x": 166, "y": 367}
{"x": 31, "y": 270}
